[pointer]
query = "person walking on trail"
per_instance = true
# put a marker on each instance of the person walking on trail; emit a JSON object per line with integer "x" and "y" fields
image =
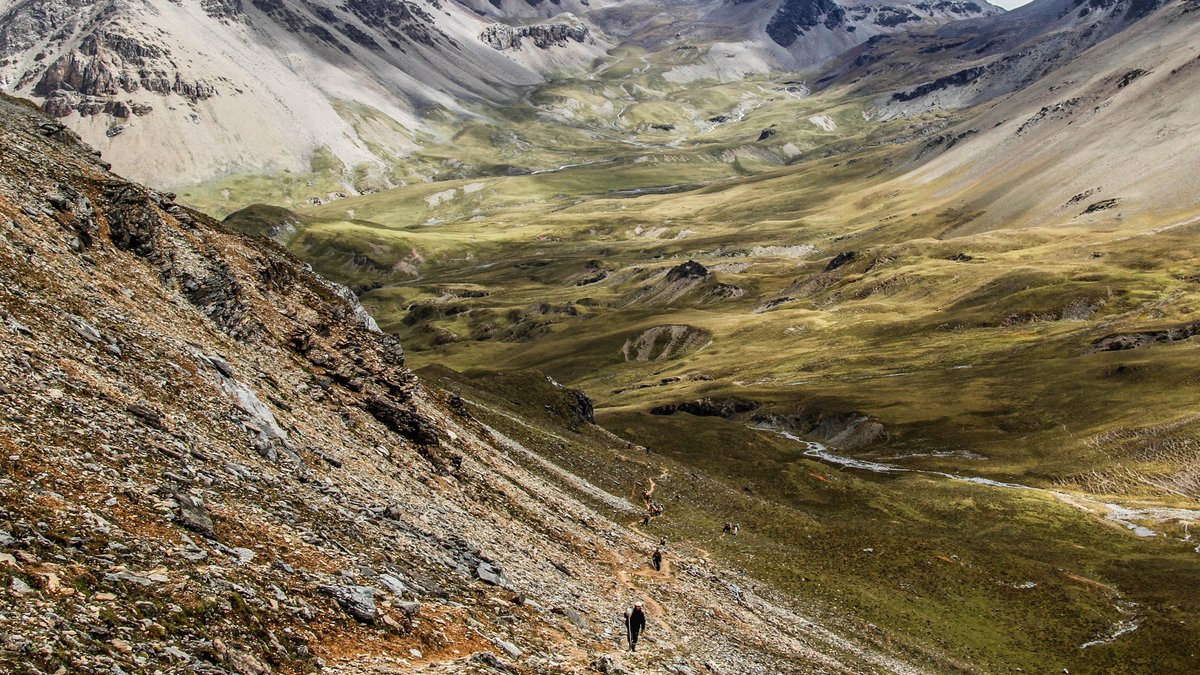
{"x": 657, "y": 558}
{"x": 635, "y": 624}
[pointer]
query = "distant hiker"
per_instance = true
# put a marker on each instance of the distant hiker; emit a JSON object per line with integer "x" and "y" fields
{"x": 646, "y": 520}
{"x": 635, "y": 624}
{"x": 737, "y": 527}
{"x": 727, "y": 529}
{"x": 657, "y": 558}
{"x": 662, "y": 543}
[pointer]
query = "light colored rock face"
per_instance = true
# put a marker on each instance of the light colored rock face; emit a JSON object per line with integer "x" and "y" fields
{"x": 186, "y": 91}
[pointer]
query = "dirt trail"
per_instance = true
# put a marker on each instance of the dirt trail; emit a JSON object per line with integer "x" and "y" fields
{"x": 651, "y": 486}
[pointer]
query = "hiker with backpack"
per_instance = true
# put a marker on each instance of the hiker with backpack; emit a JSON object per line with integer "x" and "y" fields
{"x": 635, "y": 624}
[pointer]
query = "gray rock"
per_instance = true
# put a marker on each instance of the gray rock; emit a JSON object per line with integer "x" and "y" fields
{"x": 84, "y": 329}
{"x": 492, "y": 575}
{"x": 129, "y": 578}
{"x": 192, "y": 514}
{"x": 357, "y": 601}
{"x": 393, "y": 584}
{"x": 18, "y": 327}
{"x": 490, "y": 660}
{"x": 571, "y": 615}
{"x": 19, "y": 587}
{"x": 508, "y": 647}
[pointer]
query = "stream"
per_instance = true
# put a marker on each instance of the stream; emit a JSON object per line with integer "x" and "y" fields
{"x": 1130, "y": 518}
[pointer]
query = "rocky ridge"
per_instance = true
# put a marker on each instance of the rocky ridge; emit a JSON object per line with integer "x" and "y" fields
{"x": 542, "y": 36}
{"x": 213, "y": 462}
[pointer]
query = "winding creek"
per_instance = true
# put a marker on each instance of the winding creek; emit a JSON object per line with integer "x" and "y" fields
{"x": 1134, "y": 519}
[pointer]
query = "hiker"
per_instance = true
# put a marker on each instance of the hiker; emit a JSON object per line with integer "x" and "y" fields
{"x": 657, "y": 558}
{"x": 646, "y": 520}
{"x": 737, "y": 527}
{"x": 635, "y": 624}
{"x": 727, "y": 529}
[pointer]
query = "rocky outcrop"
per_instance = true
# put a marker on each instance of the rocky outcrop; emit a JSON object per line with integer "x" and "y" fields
{"x": 107, "y": 65}
{"x": 843, "y": 430}
{"x": 688, "y": 270}
{"x": 840, "y": 260}
{"x": 664, "y": 343}
{"x": 1137, "y": 340}
{"x": 689, "y": 281}
{"x": 796, "y": 17}
{"x": 727, "y": 407}
{"x": 542, "y": 36}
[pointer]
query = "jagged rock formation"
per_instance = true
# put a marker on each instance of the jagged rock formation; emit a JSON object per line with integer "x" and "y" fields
{"x": 542, "y": 36}
{"x": 213, "y": 462}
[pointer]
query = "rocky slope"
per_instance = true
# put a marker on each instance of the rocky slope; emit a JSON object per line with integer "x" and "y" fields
{"x": 1077, "y": 146}
{"x": 214, "y": 463}
{"x": 967, "y": 63}
{"x": 181, "y": 92}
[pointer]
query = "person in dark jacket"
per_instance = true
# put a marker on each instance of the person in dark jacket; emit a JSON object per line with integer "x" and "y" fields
{"x": 635, "y": 624}
{"x": 657, "y": 559}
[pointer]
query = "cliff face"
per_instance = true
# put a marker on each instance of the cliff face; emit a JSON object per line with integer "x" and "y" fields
{"x": 213, "y": 462}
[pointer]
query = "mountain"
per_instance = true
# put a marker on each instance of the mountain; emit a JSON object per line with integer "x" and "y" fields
{"x": 215, "y": 462}
{"x": 1114, "y": 132}
{"x": 966, "y": 63}
{"x": 804, "y": 33}
{"x": 192, "y": 91}
{"x": 182, "y": 92}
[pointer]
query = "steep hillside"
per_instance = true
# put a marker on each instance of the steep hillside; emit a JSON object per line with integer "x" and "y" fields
{"x": 181, "y": 92}
{"x": 213, "y": 462}
{"x": 1112, "y": 139}
{"x": 966, "y": 63}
